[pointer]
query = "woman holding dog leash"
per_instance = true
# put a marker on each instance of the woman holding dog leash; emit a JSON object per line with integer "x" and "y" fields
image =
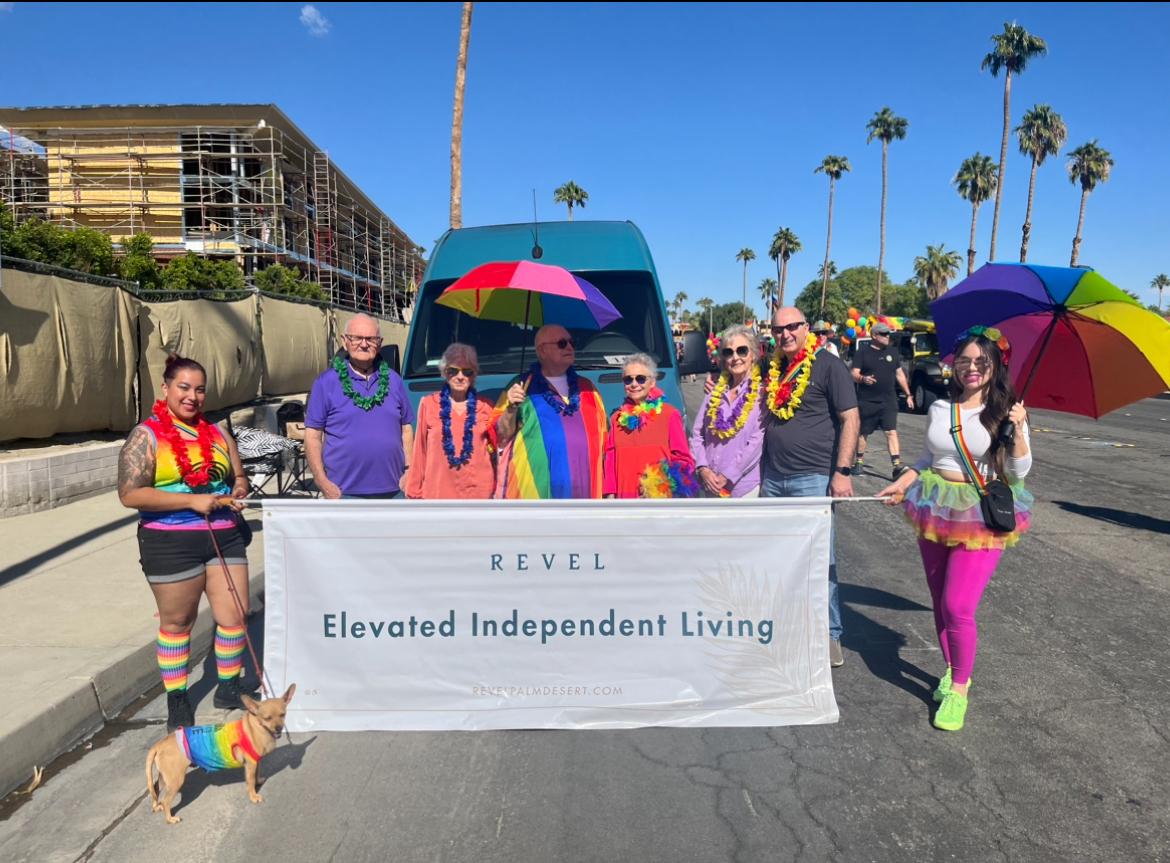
{"x": 183, "y": 474}
{"x": 963, "y": 517}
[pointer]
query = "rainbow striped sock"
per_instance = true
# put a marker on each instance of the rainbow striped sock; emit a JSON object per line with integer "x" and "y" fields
{"x": 229, "y": 651}
{"x": 174, "y": 649}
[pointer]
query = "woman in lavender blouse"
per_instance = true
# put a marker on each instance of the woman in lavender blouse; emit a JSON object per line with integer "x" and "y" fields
{"x": 728, "y": 436}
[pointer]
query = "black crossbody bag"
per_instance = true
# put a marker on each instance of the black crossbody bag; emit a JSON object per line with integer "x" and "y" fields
{"x": 996, "y": 501}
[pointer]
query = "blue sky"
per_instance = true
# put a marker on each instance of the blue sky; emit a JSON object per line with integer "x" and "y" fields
{"x": 702, "y": 124}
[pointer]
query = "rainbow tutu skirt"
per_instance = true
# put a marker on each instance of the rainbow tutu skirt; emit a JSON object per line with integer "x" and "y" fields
{"x": 948, "y": 513}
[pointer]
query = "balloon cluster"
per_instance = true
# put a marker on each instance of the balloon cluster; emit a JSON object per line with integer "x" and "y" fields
{"x": 713, "y": 348}
{"x": 858, "y": 326}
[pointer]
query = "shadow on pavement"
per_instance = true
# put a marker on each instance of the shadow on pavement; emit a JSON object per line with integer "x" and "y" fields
{"x": 26, "y": 566}
{"x": 879, "y": 646}
{"x": 1117, "y": 516}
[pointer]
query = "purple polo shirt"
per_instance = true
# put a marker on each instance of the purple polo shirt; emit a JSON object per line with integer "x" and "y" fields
{"x": 363, "y": 449}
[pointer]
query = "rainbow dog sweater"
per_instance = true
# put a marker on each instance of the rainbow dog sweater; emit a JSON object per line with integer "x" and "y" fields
{"x": 217, "y": 747}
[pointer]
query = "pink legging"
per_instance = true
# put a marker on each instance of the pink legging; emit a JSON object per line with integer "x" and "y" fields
{"x": 957, "y": 577}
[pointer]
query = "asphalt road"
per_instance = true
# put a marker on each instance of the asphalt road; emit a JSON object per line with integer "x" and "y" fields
{"x": 1064, "y": 757}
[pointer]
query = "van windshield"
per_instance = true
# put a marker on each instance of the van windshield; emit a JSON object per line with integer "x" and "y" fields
{"x": 640, "y": 328}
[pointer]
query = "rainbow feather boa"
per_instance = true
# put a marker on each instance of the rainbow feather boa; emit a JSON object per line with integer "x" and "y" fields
{"x": 668, "y": 478}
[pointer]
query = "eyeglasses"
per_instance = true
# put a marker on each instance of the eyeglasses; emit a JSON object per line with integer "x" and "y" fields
{"x": 363, "y": 340}
{"x": 453, "y": 371}
{"x": 792, "y": 328}
{"x": 560, "y": 343}
{"x": 982, "y": 364}
{"x": 630, "y": 379}
{"x": 741, "y": 351}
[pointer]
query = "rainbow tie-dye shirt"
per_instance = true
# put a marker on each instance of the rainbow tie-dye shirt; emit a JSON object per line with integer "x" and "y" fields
{"x": 168, "y": 478}
{"x": 217, "y": 747}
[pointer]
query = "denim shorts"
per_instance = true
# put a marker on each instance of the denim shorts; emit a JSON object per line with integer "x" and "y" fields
{"x": 177, "y": 555}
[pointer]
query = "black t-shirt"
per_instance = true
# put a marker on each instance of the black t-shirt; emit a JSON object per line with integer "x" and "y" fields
{"x": 807, "y": 443}
{"x": 883, "y": 364}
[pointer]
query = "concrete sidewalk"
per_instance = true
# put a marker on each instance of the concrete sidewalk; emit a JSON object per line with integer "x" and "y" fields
{"x": 78, "y": 627}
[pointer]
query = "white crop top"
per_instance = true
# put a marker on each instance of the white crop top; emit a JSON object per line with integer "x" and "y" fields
{"x": 940, "y": 444}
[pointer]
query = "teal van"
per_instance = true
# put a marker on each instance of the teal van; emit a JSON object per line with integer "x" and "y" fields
{"x": 611, "y": 255}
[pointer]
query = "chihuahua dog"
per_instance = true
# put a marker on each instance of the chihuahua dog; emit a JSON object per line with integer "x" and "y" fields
{"x": 217, "y": 747}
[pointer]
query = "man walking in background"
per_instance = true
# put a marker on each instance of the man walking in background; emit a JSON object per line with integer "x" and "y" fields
{"x": 876, "y": 369}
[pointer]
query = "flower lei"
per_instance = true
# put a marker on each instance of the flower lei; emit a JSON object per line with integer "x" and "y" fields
{"x": 992, "y": 334}
{"x": 726, "y": 429}
{"x": 668, "y": 478}
{"x": 191, "y": 477}
{"x": 553, "y": 397}
{"x": 786, "y": 390}
{"x": 341, "y": 366}
{"x": 631, "y": 416}
{"x": 468, "y": 427}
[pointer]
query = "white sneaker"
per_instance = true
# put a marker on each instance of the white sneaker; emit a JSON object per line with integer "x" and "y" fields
{"x": 836, "y": 657}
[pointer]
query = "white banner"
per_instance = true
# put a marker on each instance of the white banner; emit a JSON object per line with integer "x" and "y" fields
{"x": 548, "y": 614}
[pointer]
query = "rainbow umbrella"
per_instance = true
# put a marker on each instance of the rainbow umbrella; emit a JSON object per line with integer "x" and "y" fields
{"x": 1079, "y": 344}
{"x": 524, "y": 292}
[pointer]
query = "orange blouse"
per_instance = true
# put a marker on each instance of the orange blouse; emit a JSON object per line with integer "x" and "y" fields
{"x": 430, "y": 476}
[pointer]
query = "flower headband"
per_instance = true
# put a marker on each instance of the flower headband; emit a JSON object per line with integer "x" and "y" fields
{"x": 992, "y": 335}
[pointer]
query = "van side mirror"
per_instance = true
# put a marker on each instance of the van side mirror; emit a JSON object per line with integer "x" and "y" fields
{"x": 389, "y": 353}
{"x": 694, "y": 359}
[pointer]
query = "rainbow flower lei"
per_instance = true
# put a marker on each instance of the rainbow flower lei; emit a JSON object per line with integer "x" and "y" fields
{"x": 726, "y": 429}
{"x": 668, "y": 478}
{"x": 786, "y": 390}
{"x": 632, "y": 417}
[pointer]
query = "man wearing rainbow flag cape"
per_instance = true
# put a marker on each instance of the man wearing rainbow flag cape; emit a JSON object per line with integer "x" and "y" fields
{"x": 549, "y": 427}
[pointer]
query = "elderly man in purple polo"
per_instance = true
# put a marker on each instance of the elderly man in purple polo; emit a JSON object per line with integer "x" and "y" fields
{"x": 358, "y": 421}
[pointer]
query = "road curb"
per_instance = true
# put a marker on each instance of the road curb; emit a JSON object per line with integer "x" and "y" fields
{"x": 72, "y": 710}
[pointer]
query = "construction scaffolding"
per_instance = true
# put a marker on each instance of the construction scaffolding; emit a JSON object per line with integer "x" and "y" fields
{"x": 259, "y": 193}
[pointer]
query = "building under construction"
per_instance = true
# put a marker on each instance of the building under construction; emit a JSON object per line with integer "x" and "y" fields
{"x": 240, "y": 182}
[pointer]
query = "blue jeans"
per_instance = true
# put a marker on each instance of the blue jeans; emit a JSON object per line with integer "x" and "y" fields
{"x": 810, "y": 485}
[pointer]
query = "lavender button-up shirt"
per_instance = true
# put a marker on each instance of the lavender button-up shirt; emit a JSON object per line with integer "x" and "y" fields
{"x": 738, "y": 459}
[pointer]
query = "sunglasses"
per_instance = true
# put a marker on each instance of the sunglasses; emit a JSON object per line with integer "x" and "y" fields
{"x": 368, "y": 340}
{"x": 741, "y": 351}
{"x": 792, "y": 328}
{"x": 561, "y": 343}
{"x": 630, "y": 379}
{"x": 453, "y": 371}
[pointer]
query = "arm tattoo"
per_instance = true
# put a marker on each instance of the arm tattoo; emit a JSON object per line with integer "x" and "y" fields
{"x": 136, "y": 462}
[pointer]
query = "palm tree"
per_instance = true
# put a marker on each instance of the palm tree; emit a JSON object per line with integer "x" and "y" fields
{"x": 1088, "y": 165}
{"x": 886, "y": 127}
{"x": 935, "y": 269}
{"x": 834, "y": 167}
{"x": 830, "y": 267}
{"x": 975, "y": 183}
{"x": 1042, "y": 133}
{"x": 572, "y": 194}
{"x": 784, "y": 245}
{"x": 745, "y": 255}
{"x": 1160, "y": 281}
{"x": 767, "y": 292}
{"x": 1014, "y": 47}
{"x": 706, "y": 304}
{"x": 457, "y": 120}
{"x": 677, "y": 305}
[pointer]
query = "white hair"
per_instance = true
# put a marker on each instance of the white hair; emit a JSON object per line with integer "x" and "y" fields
{"x": 642, "y": 360}
{"x": 741, "y": 331}
{"x": 456, "y": 351}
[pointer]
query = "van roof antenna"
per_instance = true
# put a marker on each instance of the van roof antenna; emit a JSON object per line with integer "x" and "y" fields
{"x": 537, "y": 251}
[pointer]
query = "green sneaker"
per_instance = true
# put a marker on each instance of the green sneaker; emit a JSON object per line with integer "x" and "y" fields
{"x": 944, "y": 687}
{"x": 951, "y": 712}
